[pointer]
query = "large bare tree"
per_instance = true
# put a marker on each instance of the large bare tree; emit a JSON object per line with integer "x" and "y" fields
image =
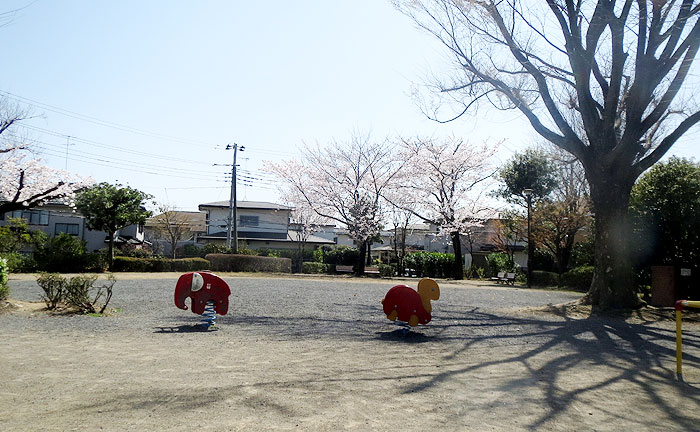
{"x": 603, "y": 80}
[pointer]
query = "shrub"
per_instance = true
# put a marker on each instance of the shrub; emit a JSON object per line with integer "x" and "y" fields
{"x": 95, "y": 262}
{"x": 544, "y": 278}
{"x": 247, "y": 263}
{"x": 578, "y": 278}
{"x": 54, "y": 287}
{"x": 19, "y": 262}
{"x": 213, "y": 248}
{"x": 62, "y": 253}
{"x": 315, "y": 268}
{"x": 189, "y": 264}
{"x": 431, "y": 264}
{"x": 4, "y": 274}
{"x": 192, "y": 250}
{"x": 340, "y": 255}
{"x": 499, "y": 262}
{"x": 386, "y": 270}
{"x": 76, "y": 291}
{"x": 130, "y": 264}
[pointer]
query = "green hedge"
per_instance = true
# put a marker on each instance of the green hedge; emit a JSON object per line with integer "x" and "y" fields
{"x": 431, "y": 264}
{"x": 387, "y": 270}
{"x": 544, "y": 278}
{"x": 131, "y": 264}
{"x": 249, "y": 263}
{"x": 20, "y": 263}
{"x": 316, "y": 268}
{"x": 578, "y": 278}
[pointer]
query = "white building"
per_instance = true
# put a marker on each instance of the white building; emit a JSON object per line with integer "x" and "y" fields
{"x": 261, "y": 225}
{"x": 54, "y": 218}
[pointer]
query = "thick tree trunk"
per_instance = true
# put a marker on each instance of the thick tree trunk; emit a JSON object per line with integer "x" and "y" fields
{"x": 613, "y": 282}
{"x": 361, "y": 262}
{"x": 459, "y": 261}
{"x": 111, "y": 250}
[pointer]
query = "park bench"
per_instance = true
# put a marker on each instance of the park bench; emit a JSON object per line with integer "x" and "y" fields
{"x": 509, "y": 278}
{"x": 343, "y": 269}
{"x": 499, "y": 277}
{"x": 372, "y": 270}
{"x": 349, "y": 269}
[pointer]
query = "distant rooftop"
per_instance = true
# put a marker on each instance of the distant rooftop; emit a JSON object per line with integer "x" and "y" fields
{"x": 261, "y": 205}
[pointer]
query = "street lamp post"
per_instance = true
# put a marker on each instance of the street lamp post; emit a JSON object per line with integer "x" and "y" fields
{"x": 528, "y": 197}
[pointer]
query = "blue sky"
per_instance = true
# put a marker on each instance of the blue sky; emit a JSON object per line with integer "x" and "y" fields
{"x": 150, "y": 92}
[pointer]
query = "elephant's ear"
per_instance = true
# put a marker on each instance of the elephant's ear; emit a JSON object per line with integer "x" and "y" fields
{"x": 197, "y": 282}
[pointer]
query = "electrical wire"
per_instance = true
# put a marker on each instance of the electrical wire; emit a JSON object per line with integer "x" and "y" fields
{"x": 100, "y": 122}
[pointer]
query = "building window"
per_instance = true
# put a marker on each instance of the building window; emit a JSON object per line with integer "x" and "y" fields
{"x": 33, "y": 217}
{"x": 249, "y": 221}
{"x": 72, "y": 229}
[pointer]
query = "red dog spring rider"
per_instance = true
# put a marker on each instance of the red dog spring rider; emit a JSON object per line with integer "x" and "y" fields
{"x": 403, "y": 303}
{"x": 208, "y": 295}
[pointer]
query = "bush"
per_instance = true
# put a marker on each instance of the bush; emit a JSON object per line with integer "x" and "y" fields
{"x": 193, "y": 251}
{"x": 62, "y": 253}
{"x": 4, "y": 274}
{"x": 578, "y": 278}
{"x": 544, "y": 278}
{"x": 130, "y": 264}
{"x": 583, "y": 253}
{"x": 543, "y": 260}
{"x": 431, "y": 264}
{"x": 19, "y": 262}
{"x": 339, "y": 255}
{"x": 387, "y": 270}
{"x": 213, "y": 248}
{"x": 247, "y": 263}
{"x": 499, "y": 262}
{"x": 76, "y": 291}
{"x": 189, "y": 264}
{"x": 54, "y": 287}
{"x": 315, "y": 268}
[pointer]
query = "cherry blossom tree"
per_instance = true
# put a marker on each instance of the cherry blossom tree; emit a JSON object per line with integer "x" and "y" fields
{"x": 305, "y": 223}
{"x": 24, "y": 181}
{"x": 343, "y": 182}
{"x": 447, "y": 178}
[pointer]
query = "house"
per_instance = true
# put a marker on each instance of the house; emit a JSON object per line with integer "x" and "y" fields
{"x": 261, "y": 225}
{"x": 427, "y": 237}
{"x": 56, "y": 218}
{"x": 189, "y": 226}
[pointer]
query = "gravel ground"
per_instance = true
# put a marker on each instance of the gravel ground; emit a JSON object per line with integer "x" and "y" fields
{"x": 318, "y": 354}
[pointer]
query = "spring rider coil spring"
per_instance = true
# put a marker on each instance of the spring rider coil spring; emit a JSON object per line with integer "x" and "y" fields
{"x": 208, "y": 295}
{"x": 209, "y": 315}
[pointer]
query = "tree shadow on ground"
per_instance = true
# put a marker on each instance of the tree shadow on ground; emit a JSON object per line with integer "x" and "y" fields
{"x": 640, "y": 356}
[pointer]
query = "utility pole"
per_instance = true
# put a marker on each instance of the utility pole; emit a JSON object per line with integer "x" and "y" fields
{"x": 232, "y": 225}
{"x": 68, "y": 137}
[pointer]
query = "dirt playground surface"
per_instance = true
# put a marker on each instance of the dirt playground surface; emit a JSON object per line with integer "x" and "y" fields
{"x": 318, "y": 354}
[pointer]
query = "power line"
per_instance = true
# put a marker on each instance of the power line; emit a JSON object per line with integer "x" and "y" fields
{"x": 100, "y": 122}
{"x": 108, "y": 146}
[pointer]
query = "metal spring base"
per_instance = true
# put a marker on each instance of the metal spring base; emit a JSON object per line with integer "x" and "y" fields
{"x": 209, "y": 315}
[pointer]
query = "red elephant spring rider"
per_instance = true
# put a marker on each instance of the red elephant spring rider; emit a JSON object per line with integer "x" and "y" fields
{"x": 208, "y": 295}
{"x": 405, "y": 304}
